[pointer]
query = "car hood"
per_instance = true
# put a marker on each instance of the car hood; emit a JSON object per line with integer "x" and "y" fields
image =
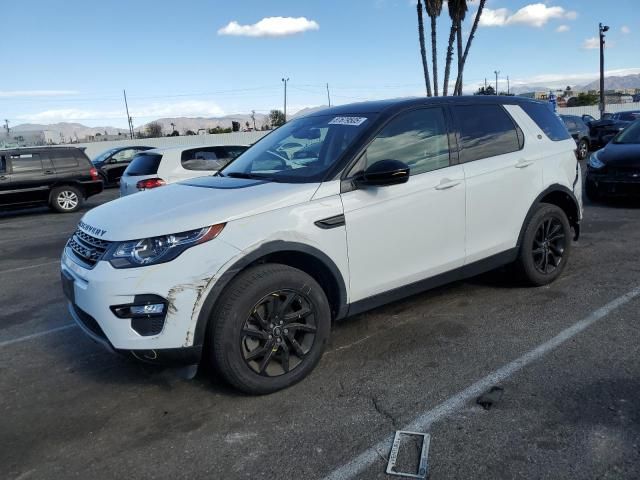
{"x": 189, "y": 205}
{"x": 620, "y": 155}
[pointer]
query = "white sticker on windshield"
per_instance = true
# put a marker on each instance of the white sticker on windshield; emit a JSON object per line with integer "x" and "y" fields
{"x": 353, "y": 121}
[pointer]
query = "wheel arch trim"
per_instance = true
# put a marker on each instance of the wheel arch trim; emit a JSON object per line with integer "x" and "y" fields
{"x": 269, "y": 248}
{"x": 555, "y": 188}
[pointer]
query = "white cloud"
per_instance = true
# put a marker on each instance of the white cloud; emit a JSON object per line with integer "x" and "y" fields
{"x": 193, "y": 108}
{"x": 534, "y": 15}
{"x": 270, "y": 27}
{"x": 563, "y": 28}
{"x": 624, "y": 29}
{"x": 591, "y": 43}
{"x": 36, "y": 93}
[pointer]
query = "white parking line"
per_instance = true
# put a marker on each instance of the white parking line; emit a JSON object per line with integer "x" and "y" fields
{"x": 17, "y": 269}
{"x": 36, "y": 335}
{"x": 423, "y": 422}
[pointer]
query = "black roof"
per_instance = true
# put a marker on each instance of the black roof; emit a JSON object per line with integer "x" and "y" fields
{"x": 380, "y": 106}
{"x": 42, "y": 147}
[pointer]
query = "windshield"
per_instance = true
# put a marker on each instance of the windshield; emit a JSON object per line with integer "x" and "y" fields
{"x": 104, "y": 155}
{"x": 631, "y": 134}
{"x": 300, "y": 151}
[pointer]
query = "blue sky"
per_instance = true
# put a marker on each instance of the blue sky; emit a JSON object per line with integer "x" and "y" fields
{"x": 69, "y": 61}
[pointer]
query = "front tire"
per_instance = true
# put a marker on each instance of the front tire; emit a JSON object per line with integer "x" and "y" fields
{"x": 271, "y": 326}
{"x": 545, "y": 247}
{"x": 583, "y": 149}
{"x": 66, "y": 199}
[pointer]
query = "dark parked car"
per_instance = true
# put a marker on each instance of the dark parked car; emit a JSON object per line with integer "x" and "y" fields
{"x": 602, "y": 131}
{"x": 62, "y": 177}
{"x": 112, "y": 163}
{"x": 580, "y": 133}
{"x": 615, "y": 170}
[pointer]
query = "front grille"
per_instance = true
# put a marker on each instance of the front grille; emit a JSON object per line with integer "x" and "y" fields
{"x": 89, "y": 250}
{"x": 624, "y": 172}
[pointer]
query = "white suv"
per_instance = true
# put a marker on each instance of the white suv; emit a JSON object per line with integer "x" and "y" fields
{"x": 247, "y": 269}
{"x": 160, "y": 166}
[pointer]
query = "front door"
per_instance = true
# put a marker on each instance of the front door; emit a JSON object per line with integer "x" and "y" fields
{"x": 5, "y": 179}
{"x": 400, "y": 234}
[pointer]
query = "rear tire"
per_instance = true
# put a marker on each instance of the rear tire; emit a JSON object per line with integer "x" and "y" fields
{"x": 545, "y": 247}
{"x": 66, "y": 199}
{"x": 270, "y": 328}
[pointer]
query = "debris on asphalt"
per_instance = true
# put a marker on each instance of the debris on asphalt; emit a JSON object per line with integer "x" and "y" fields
{"x": 423, "y": 467}
{"x": 487, "y": 399}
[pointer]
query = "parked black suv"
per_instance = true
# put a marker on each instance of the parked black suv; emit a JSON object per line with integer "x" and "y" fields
{"x": 112, "y": 163}
{"x": 580, "y": 133}
{"x": 62, "y": 177}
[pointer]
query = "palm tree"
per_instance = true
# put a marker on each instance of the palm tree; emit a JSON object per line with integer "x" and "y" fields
{"x": 423, "y": 51}
{"x": 460, "y": 15}
{"x": 434, "y": 8}
{"x": 458, "y": 89}
{"x": 453, "y": 11}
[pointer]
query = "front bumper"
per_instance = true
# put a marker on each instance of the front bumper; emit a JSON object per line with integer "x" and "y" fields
{"x": 627, "y": 185}
{"x": 184, "y": 283}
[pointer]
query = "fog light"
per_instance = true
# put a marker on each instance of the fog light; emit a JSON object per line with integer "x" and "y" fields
{"x": 153, "y": 309}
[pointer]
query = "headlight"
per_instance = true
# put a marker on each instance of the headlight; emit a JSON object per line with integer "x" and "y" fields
{"x": 594, "y": 162}
{"x": 154, "y": 250}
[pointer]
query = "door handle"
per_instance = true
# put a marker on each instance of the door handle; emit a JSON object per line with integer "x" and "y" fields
{"x": 3, "y": 177}
{"x": 49, "y": 172}
{"x": 523, "y": 163}
{"x": 445, "y": 184}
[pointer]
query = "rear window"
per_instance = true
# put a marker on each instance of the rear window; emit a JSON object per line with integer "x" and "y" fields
{"x": 546, "y": 120}
{"x": 208, "y": 158}
{"x": 144, "y": 164}
{"x": 486, "y": 131}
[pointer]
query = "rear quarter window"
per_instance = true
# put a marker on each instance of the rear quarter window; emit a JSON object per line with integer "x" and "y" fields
{"x": 546, "y": 120}
{"x": 205, "y": 159}
{"x": 144, "y": 164}
{"x": 63, "y": 160}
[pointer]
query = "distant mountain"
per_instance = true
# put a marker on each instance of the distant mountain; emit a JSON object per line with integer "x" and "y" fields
{"x": 615, "y": 83}
{"x": 182, "y": 124}
{"x": 68, "y": 130}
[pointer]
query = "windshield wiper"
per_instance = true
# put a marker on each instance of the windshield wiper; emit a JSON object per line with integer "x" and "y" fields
{"x": 252, "y": 176}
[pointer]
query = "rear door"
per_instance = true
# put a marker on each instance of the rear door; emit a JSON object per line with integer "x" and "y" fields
{"x": 503, "y": 177}
{"x": 30, "y": 179}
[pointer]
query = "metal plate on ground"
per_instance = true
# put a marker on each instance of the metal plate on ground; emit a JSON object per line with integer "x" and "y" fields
{"x": 424, "y": 453}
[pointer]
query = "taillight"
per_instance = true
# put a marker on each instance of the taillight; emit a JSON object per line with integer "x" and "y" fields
{"x": 150, "y": 183}
{"x": 94, "y": 173}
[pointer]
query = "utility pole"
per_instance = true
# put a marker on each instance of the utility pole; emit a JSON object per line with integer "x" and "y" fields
{"x": 601, "y": 30}
{"x": 285, "y": 80}
{"x": 497, "y": 72}
{"x": 328, "y": 95}
{"x": 173, "y": 127}
{"x": 253, "y": 117}
{"x": 508, "y": 88}
{"x": 129, "y": 120}
{"x": 6, "y": 125}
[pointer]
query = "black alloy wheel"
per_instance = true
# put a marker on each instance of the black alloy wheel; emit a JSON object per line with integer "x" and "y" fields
{"x": 279, "y": 332}
{"x": 549, "y": 245}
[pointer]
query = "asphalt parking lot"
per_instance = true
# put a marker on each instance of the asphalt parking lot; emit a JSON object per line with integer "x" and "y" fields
{"x": 569, "y": 405}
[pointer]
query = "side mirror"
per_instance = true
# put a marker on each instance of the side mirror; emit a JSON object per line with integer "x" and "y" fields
{"x": 383, "y": 173}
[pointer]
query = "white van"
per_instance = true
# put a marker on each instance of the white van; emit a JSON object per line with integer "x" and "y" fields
{"x": 160, "y": 166}
{"x": 248, "y": 269}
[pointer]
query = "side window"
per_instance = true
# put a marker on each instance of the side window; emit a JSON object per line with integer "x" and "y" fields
{"x": 570, "y": 123}
{"x": 417, "y": 138}
{"x": 25, "y": 163}
{"x": 203, "y": 159}
{"x": 63, "y": 159}
{"x": 234, "y": 152}
{"x": 124, "y": 156}
{"x": 486, "y": 131}
{"x": 546, "y": 120}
